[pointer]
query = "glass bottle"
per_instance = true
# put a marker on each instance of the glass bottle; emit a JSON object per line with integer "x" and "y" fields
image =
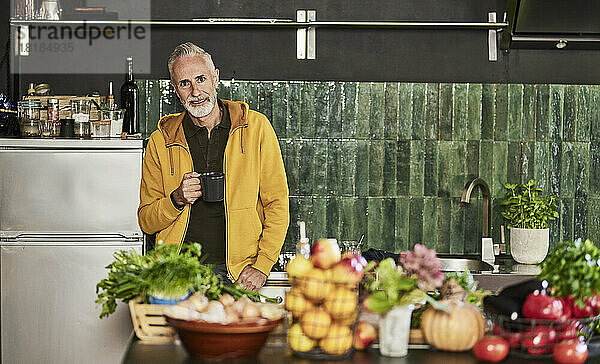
{"x": 53, "y": 119}
{"x": 129, "y": 102}
{"x": 110, "y": 99}
{"x": 31, "y": 90}
{"x": 303, "y": 246}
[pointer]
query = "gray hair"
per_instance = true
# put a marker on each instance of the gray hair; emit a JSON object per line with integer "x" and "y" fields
{"x": 189, "y": 49}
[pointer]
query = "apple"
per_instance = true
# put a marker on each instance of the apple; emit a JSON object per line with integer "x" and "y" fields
{"x": 299, "y": 267}
{"x": 316, "y": 285}
{"x": 364, "y": 335}
{"x": 325, "y": 253}
{"x": 349, "y": 269}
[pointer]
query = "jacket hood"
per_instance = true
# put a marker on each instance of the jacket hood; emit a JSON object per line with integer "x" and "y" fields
{"x": 171, "y": 126}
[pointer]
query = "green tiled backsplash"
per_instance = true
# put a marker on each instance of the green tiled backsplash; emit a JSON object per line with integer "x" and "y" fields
{"x": 390, "y": 160}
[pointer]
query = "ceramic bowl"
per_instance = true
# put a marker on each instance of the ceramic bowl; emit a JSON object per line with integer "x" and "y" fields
{"x": 220, "y": 342}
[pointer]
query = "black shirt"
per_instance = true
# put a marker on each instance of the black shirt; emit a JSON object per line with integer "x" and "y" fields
{"x": 207, "y": 219}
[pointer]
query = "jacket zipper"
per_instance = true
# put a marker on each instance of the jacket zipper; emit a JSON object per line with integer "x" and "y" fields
{"x": 187, "y": 222}
{"x": 225, "y": 203}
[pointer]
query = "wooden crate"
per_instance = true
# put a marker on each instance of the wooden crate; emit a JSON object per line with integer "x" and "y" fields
{"x": 65, "y": 100}
{"x": 150, "y": 324}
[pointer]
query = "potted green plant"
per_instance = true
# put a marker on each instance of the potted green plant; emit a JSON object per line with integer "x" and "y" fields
{"x": 528, "y": 214}
{"x": 573, "y": 271}
{"x": 395, "y": 289}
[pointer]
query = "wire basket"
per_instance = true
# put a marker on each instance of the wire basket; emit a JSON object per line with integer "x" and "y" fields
{"x": 323, "y": 314}
{"x": 535, "y": 338}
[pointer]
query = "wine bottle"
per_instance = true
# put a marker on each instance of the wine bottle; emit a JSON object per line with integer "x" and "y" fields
{"x": 129, "y": 101}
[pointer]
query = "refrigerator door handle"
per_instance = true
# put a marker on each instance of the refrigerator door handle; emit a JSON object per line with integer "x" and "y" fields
{"x": 67, "y": 239}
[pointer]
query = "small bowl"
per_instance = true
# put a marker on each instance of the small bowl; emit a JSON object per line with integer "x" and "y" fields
{"x": 220, "y": 342}
{"x": 156, "y": 300}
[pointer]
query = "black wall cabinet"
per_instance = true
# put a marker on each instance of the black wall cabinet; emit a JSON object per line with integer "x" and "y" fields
{"x": 347, "y": 54}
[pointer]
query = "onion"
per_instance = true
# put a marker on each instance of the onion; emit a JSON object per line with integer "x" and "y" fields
{"x": 215, "y": 312}
{"x": 198, "y": 301}
{"x": 241, "y": 303}
{"x": 226, "y": 299}
{"x": 181, "y": 313}
{"x": 250, "y": 311}
{"x": 187, "y": 304}
{"x": 271, "y": 311}
{"x": 232, "y": 315}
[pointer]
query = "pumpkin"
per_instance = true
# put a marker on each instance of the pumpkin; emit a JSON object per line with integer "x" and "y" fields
{"x": 457, "y": 331}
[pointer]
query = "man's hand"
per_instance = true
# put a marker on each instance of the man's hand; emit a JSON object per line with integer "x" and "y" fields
{"x": 189, "y": 190}
{"x": 251, "y": 278}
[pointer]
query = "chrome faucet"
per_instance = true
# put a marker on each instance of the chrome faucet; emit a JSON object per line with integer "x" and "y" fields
{"x": 489, "y": 250}
{"x": 485, "y": 191}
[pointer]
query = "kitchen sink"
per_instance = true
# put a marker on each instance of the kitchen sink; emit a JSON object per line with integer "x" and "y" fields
{"x": 462, "y": 264}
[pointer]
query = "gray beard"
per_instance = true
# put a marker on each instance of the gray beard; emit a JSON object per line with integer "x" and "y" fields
{"x": 200, "y": 111}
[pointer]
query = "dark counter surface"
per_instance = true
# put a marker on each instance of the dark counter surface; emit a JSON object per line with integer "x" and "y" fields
{"x": 276, "y": 351}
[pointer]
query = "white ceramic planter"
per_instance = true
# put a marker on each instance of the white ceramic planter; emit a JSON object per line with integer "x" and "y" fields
{"x": 529, "y": 246}
{"x": 394, "y": 329}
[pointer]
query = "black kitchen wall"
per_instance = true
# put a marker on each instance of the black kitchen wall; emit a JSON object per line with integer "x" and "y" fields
{"x": 348, "y": 54}
{"x": 5, "y": 79}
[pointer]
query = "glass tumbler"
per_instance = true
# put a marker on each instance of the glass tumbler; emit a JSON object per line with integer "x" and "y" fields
{"x": 46, "y": 128}
{"x": 80, "y": 113}
{"x": 29, "y": 116}
{"x": 116, "y": 121}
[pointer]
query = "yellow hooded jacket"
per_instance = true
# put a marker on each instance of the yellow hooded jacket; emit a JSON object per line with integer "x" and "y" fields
{"x": 256, "y": 190}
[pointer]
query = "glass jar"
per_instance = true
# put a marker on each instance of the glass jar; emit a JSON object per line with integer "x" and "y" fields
{"x": 29, "y": 116}
{"x": 116, "y": 121}
{"x": 45, "y": 127}
{"x": 30, "y": 128}
{"x": 81, "y": 128}
{"x": 80, "y": 113}
{"x": 53, "y": 118}
{"x": 100, "y": 129}
{"x": 29, "y": 109}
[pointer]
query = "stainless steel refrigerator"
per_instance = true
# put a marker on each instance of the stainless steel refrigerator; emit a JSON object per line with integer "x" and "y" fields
{"x": 65, "y": 207}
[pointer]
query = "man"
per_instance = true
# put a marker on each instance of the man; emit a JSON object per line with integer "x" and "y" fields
{"x": 242, "y": 235}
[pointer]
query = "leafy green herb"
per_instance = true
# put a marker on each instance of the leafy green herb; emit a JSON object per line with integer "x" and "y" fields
{"x": 573, "y": 268}
{"x": 172, "y": 273}
{"x": 123, "y": 280}
{"x": 390, "y": 286}
{"x": 415, "y": 321}
{"x": 525, "y": 209}
{"x": 168, "y": 271}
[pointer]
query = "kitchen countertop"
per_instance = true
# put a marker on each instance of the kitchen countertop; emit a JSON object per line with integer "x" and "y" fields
{"x": 506, "y": 272}
{"x": 276, "y": 351}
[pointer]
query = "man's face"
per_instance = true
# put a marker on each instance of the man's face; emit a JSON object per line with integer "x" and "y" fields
{"x": 195, "y": 84}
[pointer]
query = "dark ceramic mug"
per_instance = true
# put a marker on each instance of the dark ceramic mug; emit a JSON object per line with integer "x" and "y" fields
{"x": 213, "y": 186}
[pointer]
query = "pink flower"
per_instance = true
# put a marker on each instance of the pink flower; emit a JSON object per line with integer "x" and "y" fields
{"x": 425, "y": 264}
